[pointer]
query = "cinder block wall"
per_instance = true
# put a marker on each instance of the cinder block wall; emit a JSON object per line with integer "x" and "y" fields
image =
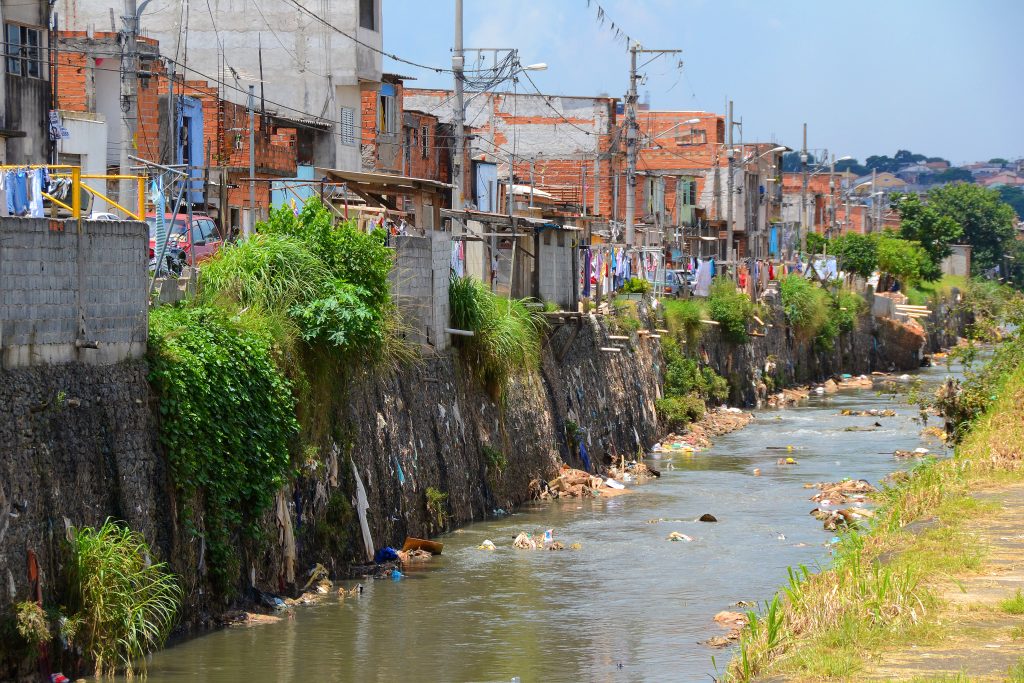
{"x": 419, "y": 285}
{"x": 62, "y": 292}
{"x": 556, "y": 271}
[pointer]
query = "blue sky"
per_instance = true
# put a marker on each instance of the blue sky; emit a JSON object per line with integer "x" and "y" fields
{"x": 938, "y": 77}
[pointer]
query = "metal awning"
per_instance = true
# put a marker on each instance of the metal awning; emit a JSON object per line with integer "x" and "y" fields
{"x": 383, "y": 182}
{"x": 503, "y": 219}
{"x": 303, "y": 121}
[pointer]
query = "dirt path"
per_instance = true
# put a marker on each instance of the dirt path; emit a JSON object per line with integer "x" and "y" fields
{"x": 981, "y": 644}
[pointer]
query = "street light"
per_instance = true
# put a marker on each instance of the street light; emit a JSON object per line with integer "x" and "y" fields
{"x": 688, "y": 122}
{"x": 540, "y": 66}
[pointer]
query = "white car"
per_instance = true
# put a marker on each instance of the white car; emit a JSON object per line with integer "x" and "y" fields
{"x": 101, "y": 216}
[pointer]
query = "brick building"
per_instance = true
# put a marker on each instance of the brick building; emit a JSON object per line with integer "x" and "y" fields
{"x": 180, "y": 122}
{"x": 402, "y": 141}
{"x": 568, "y": 146}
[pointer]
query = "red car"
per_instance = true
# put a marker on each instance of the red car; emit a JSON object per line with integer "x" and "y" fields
{"x": 197, "y": 243}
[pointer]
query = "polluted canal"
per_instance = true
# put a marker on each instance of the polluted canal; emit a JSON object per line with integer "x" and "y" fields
{"x": 627, "y": 605}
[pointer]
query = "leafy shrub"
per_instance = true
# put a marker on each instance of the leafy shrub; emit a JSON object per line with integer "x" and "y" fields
{"x": 816, "y": 243}
{"x": 330, "y": 282}
{"x": 731, "y": 308}
{"x": 226, "y": 417}
{"x": 856, "y": 253}
{"x": 902, "y": 259}
{"x": 123, "y": 605}
{"x": 683, "y": 376}
{"x": 848, "y": 307}
{"x": 341, "y": 317}
{"x": 637, "y": 285}
{"x": 506, "y": 334}
{"x": 349, "y": 254}
{"x": 675, "y": 412}
{"x": 624, "y": 318}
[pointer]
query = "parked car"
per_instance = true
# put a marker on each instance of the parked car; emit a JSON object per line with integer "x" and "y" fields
{"x": 196, "y": 242}
{"x": 103, "y": 216}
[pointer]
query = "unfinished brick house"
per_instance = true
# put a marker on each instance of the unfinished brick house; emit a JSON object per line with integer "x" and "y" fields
{"x": 209, "y": 134}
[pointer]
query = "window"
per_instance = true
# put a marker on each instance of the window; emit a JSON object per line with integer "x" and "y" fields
{"x": 425, "y": 142}
{"x": 348, "y": 126}
{"x": 23, "y": 53}
{"x": 368, "y": 14}
{"x": 694, "y": 136}
{"x": 387, "y": 114}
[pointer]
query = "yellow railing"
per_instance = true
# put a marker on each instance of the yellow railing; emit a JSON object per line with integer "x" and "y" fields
{"x": 76, "y": 175}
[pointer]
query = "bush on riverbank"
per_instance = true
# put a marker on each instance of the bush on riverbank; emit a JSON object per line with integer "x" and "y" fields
{"x": 683, "y": 320}
{"x": 731, "y": 309}
{"x": 815, "y": 313}
{"x": 823, "y": 624}
{"x": 227, "y": 416}
{"x": 506, "y": 334}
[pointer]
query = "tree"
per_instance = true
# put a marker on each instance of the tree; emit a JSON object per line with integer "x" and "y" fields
{"x": 999, "y": 161}
{"x": 791, "y": 162}
{"x": 1014, "y": 196}
{"x": 853, "y": 166}
{"x": 987, "y": 222}
{"x": 815, "y": 242}
{"x": 857, "y": 253}
{"x": 926, "y": 226}
{"x": 901, "y": 258}
{"x": 953, "y": 175}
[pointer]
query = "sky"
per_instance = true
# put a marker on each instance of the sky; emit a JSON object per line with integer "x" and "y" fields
{"x": 938, "y": 77}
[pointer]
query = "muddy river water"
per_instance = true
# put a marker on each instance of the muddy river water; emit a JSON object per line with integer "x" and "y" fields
{"x": 628, "y": 606}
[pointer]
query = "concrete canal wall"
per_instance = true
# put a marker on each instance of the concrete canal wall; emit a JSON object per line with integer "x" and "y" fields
{"x": 78, "y": 444}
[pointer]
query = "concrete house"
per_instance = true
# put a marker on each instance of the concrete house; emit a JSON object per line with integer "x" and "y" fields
{"x": 25, "y": 86}
{"x": 300, "y": 56}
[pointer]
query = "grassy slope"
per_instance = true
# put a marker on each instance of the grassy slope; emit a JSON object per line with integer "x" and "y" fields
{"x": 880, "y": 589}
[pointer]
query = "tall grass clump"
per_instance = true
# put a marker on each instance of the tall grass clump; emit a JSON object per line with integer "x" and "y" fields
{"x": 877, "y": 589}
{"x": 268, "y": 272}
{"x": 805, "y": 304}
{"x": 731, "y": 309}
{"x": 683, "y": 320}
{"x": 123, "y": 605}
{"x": 506, "y": 334}
{"x": 815, "y": 313}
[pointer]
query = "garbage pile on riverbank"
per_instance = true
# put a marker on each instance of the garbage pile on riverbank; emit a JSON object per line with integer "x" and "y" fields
{"x": 573, "y": 483}
{"x": 873, "y": 412}
{"x": 841, "y": 493}
{"x": 698, "y": 436}
{"x": 734, "y": 621}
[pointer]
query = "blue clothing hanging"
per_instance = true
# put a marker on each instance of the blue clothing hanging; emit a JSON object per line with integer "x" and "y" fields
{"x": 584, "y": 456}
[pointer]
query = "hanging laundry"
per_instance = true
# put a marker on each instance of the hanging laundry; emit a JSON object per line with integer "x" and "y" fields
{"x": 17, "y": 193}
{"x": 586, "y": 272}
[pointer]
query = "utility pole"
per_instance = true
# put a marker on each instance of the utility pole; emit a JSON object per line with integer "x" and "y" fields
{"x": 730, "y": 155}
{"x": 631, "y": 135}
{"x": 252, "y": 161}
{"x": 129, "y": 101}
{"x": 874, "y": 179}
{"x": 803, "y": 195}
{"x": 631, "y": 139}
{"x": 832, "y": 196}
{"x": 458, "y": 62}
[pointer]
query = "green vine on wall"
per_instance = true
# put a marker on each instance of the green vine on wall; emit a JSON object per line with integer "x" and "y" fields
{"x": 226, "y": 418}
